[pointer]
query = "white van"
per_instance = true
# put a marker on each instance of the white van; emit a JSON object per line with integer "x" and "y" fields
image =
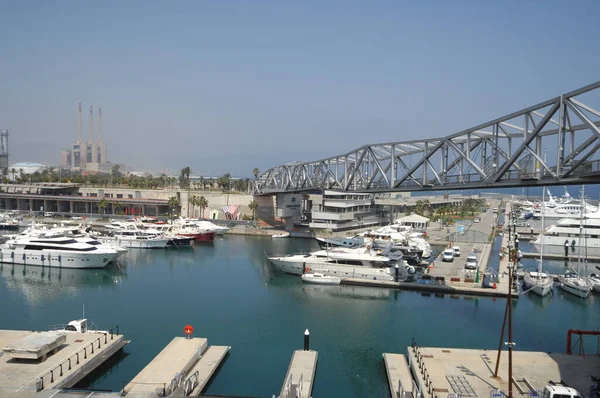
{"x": 48, "y": 214}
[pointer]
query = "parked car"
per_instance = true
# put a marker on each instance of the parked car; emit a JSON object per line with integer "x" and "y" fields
{"x": 76, "y": 218}
{"x": 456, "y": 250}
{"x": 477, "y": 220}
{"x": 448, "y": 255}
{"x": 471, "y": 261}
{"x": 48, "y": 214}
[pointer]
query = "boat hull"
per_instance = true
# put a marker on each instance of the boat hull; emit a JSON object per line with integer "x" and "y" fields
{"x": 540, "y": 286}
{"x": 576, "y": 289}
{"x": 136, "y": 243}
{"x": 342, "y": 271}
{"x": 201, "y": 236}
{"x": 323, "y": 280}
{"x": 54, "y": 258}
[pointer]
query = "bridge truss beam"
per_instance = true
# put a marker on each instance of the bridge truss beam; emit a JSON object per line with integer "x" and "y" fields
{"x": 555, "y": 142}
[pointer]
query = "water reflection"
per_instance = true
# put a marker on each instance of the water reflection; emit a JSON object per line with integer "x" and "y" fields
{"x": 45, "y": 283}
{"x": 541, "y": 302}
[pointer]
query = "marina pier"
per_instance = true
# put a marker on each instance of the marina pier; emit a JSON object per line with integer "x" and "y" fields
{"x": 183, "y": 367}
{"x": 299, "y": 378}
{"x": 39, "y": 361}
{"x": 440, "y": 372}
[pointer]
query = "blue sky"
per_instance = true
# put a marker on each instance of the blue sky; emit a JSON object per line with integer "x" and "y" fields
{"x": 226, "y": 86}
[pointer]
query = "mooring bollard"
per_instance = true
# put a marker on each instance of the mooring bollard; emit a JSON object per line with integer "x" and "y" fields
{"x": 85, "y": 353}
{"x": 69, "y": 363}
{"x": 61, "y": 372}
{"x": 77, "y": 358}
{"x": 306, "y": 340}
{"x": 396, "y": 270}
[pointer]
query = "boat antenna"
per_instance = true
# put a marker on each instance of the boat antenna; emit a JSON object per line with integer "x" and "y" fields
{"x": 83, "y": 315}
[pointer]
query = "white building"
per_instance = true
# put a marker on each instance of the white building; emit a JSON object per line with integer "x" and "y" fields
{"x": 343, "y": 210}
{"x": 25, "y": 168}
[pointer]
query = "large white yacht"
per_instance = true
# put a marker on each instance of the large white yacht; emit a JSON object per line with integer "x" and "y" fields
{"x": 342, "y": 262}
{"x": 572, "y": 232}
{"x": 565, "y": 207}
{"x": 133, "y": 239}
{"x": 56, "y": 251}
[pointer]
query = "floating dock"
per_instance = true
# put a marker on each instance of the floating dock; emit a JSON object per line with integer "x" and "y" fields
{"x": 36, "y": 361}
{"x": 399, "y": 378}
{"x": 185, "y": 365}
{"x": 300, "y": 375}
{"x": 469, "y": 372}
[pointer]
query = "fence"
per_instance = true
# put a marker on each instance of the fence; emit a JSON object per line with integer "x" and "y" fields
{"x": 59, "y": 370}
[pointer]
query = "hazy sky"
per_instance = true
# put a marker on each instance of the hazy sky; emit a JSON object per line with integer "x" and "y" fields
{"x": 226, "y": 86}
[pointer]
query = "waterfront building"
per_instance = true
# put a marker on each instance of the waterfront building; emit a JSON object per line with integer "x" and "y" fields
{"x": 335, "y": 210}
{"x": 69, "y": 198}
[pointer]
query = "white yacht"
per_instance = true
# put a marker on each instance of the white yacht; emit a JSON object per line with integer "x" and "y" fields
{"x": 58, "y": 251}
{"x": 572, "y": 283}
{"x": 135, "y": 240}
{"x": 567, "y": 207}
{"x": 219, "y": 230}
{"x": 567, "y": 232}
{"x": 342, "y": 262}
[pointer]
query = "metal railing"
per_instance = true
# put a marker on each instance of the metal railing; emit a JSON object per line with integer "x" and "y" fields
{"x": 58, "y": 371}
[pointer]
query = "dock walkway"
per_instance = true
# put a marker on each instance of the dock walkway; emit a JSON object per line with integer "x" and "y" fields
{"x": 203, "y": 370}
{"x": 399, "y": 377}
{"x": 64, "y": 366}
{"x": 300, "y": 375}
{"x": 168, "y": 367}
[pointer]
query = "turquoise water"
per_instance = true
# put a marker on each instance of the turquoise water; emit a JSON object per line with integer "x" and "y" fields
{"x": 232, "y": 296}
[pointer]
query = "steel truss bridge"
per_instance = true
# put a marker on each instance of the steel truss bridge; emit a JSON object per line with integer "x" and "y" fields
{"x": 555, "y": 142}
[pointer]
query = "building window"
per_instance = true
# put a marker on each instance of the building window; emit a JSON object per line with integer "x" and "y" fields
{"x": 130, "y": 196}
{"x": 119, "y": 196}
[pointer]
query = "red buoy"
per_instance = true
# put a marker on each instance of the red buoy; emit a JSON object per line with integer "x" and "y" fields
{"x": 188, "y": 329}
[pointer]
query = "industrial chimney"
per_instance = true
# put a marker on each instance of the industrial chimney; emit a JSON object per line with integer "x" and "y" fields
{"x": 79, "y": 125}
{"x": 101, "y": 149}
{"x": 91, "y": 144}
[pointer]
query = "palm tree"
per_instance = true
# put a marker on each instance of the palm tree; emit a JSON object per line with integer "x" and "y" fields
{"x": 253, "y": 206}
{"x": 117, "y": 206}
{"x": 174, "y": 204}
{"x": 419, "y": 209}
{"x": 102, "y": 205}
{"x": 184, "y": 177}
{"x": 256, "y": 172}
{"x": 202, "y": 204}
{"x": 13, "y": 171}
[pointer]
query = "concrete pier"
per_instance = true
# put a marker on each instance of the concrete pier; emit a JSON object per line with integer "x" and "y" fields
{"x": 300, "y": 375}
{"x": 399, "y": 378}
{"x": 183, "y": 367}
{"x": 469, "y": 372}
{"x": 61, "y": 366}
{"x": 471, "y": 289}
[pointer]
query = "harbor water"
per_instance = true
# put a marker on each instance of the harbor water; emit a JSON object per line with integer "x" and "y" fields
{"x": 231, "y": 295}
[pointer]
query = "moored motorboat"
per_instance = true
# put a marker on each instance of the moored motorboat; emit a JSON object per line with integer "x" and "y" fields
{"x": 595, "y": 282}
{"x": 59, "y": 251}
{"x": 321, "y": 279}
{"x": 281, "y": 235}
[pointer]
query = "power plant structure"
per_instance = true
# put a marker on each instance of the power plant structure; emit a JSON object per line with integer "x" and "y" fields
{"x": 4, "y": 152}
{"x": 87, "y": 156}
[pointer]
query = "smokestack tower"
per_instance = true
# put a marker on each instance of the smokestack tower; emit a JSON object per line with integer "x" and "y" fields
{"x": 101, "y": 149}
{"x": 79, "y": 125}
{"x": 91, "y": 145}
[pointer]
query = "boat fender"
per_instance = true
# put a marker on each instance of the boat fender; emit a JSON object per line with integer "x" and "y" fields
{"x": 42, "y": 257}
{"x": 23, "y": 256}
{"x": 369, "y": 247}
{"x": 59, "y": 258}
{"x": 12, "y": 254}
{"x": 573, "y": 243}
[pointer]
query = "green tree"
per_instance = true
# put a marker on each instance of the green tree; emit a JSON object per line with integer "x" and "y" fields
{"x": 102, "y": 205}
{"x": 174, "y": 205}
{"x": 117, "y": 206}
{"x": 256, "y": 172}
{"x": 419, "y": 208}
{"x": 184, "y": 177}
{"x": 253, "y": 206}
{"x": 202, "y": 204}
